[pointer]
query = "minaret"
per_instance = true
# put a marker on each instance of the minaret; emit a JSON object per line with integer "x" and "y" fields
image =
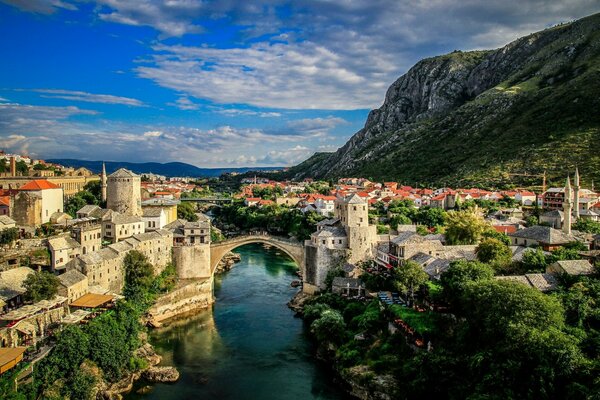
{"x": 103, "y": 182}
{"x": 576, "y": 193}
{"x": 567, "y": 208}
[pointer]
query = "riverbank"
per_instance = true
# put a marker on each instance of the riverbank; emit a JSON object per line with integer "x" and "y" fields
{"x": 359, "y": 381}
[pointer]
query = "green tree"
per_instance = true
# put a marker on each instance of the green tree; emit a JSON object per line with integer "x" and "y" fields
{"x": 330, "y": 327}
{"x": 534, "y": 260}
{"x": 460, "y": 274}
{"x": 409, "y": 277}
{"x": 495, "y": 252}
{"x": 40, "y": 286}
{"x": 8, "y": 236}
{"x": 465, "y": 227}
{"x": 186, "y": 210}
{"x": 139, "y": 274}
{"x": 587, "y": 225}
{"x": 431, "y": 216}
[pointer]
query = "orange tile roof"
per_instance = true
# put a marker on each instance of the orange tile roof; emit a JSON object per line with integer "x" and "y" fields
{"x": 5, "y": 201}
{"x": 39, "y": 184}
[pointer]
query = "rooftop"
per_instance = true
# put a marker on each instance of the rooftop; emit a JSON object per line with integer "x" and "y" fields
{"x": 92, "y": 300}
{"x": 39, "y": 184}
{"x": 543, "y": 234}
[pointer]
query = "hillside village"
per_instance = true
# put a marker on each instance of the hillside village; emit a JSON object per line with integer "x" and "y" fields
{"x": 361, "y": 228}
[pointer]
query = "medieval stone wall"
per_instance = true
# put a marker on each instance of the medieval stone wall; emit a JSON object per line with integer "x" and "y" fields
{"x": 124, "y": 195}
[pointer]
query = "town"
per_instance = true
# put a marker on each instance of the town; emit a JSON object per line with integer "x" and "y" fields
{"x": 66, "y": 234}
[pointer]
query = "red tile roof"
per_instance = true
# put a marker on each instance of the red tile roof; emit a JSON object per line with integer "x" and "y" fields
{"x": 5, "y": 201}
{"x": 505, "y": 228}
{"x": 39, "y": 184}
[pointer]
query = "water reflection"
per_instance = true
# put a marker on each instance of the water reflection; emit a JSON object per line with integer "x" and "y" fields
{"x": 249, "y": 346}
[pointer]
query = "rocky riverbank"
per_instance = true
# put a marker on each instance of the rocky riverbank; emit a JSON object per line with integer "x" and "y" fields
{"x": 227, "y": 262}
{"x": 359, "y": 381}
{"x": 151, "y": 372}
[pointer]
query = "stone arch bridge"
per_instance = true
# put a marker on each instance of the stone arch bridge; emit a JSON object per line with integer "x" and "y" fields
{"x": 293, "y": 248}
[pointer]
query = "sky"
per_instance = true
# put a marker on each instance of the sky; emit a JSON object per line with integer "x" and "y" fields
{"x": 225, "y": 83}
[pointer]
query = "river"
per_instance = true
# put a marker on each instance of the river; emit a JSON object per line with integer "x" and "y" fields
{"x": 250, "y": 345}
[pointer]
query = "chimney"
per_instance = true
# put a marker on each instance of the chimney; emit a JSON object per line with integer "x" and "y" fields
{"x": 13, "y": 166}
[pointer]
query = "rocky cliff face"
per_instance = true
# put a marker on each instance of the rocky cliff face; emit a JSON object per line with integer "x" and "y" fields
{"x": 464, "y": 92}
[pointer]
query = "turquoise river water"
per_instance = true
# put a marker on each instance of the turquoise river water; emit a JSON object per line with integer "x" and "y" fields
{"x": 250, "y": 345}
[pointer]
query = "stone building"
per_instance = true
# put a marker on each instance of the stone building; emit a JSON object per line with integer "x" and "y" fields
{"x": 89, "y": 236}
{"x": 120, "y": 226}
{"x": 105, "y": 267}
{"x": 36, "y": 201}
{"x": 123, "y": 192}
{"x": 62, "y": 250}
{"x": 73, "y": 284}
{"x": 347, "y": 237}
{"x": 168, "y": 206}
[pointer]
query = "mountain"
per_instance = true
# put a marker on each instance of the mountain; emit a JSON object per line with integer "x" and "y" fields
{"x": 476, "y": 117}
{"x": 167, "y": 169}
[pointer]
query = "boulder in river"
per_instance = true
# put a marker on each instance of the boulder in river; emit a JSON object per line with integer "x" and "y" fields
{"x": 161, "y": 374}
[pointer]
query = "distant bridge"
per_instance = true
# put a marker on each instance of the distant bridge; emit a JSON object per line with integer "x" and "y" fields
{"x": 292, "y": 248}
{"x": 211, "y": 199}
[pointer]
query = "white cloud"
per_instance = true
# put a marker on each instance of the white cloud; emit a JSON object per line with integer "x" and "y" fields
{"x": 171, "y": 18}
{"x": 74, "y": 95}
{"x": 240, "y": 112}
{"x": 153, "y": 134}
{"x": 40, "y": 6}
{"x": 184, "y": 103}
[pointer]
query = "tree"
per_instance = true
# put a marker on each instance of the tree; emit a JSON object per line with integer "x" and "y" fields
{"x": 431, "y": 216}
{"x": 40, "y": 286}
{"x": 186, "y": 211}
{"x": 534, "y": 260}
{"x": 139, "y": 274}
{"x": 330, "y": 326}
{"x": 409, "y": 277}
{"x": 464, "y": 227}
{"x": 587, "y": 225}
{"x": 8, "y": 236}
{"x": 494, "y": 251}
{"x": 514, "y": 331}
{"x": 460, "y": 274}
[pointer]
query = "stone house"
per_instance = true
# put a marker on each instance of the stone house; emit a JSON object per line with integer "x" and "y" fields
{"x": 554, "y": 218}
{"x": 154, "y": 218}
{"x": 62, "y": 250}
{"x": 11, "y": 287}
{"x": 89, "y": 211}
{"x": 121, "y": 226}
{"x": 348, "y": 286}
{"x": 168, "y": 206}
{"x": 544, "y": 236}
{"x": 36, "y": 201}
{"x": 89, "y": 237}
{"x": 73, "y": 284}
{"x": 6, "y": 222}
{"x": 571, "y": 267}
{"x": 543, "y": 282}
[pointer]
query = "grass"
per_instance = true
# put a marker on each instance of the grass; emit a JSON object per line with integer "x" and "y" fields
{"x": 421, "y": 322}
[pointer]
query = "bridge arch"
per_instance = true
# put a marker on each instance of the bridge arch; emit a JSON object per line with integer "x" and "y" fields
{"x": 293, "y": 248}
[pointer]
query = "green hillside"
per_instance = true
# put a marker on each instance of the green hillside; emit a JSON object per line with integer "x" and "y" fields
{"x": 543, "y": 115}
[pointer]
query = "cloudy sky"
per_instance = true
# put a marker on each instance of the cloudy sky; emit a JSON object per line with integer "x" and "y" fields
{"x": 225, "y": 83}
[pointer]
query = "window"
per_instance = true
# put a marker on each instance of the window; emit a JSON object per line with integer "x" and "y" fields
{"x": 323, "y": 241}
{"x": 354, "y": 208}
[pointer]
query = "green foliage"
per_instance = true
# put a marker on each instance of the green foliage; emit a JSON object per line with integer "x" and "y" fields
{"x": 534, "y": 260}
{"x": 464, "y": 227}
{"x": 409, "y": 276}
{"x": 77, "y": 201}
{"x": 330, "y": 326}
{"x": 587, "y": 225}
{"x": 40, "y": 286}
{"x": 431, "y": 217}
{"x": 216, "y": 235}
{"x": 370, "y": 320}
{"x": 423, "y": 322}
{"x": 187, "y": 211}
{"x": 274, "y": 219}
{"x": 139, "y": 276}
{"x": 383, "y": 229}
{"x": 313, "y": 312}
{"x": 494, "y": 252}
{"x": 9, "y": 235}
{"x": 460, "y": 273}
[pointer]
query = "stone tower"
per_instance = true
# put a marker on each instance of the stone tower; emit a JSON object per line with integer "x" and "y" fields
{"x": 576, "y": 189}
{"x": 353, "y": 213}
{"x": 103, "y": 182}
{"x": 567, "y": 207}
{"x": 123, "y": 192}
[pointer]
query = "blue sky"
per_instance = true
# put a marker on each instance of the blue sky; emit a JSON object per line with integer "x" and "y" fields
{"x": 225, "y": 83}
